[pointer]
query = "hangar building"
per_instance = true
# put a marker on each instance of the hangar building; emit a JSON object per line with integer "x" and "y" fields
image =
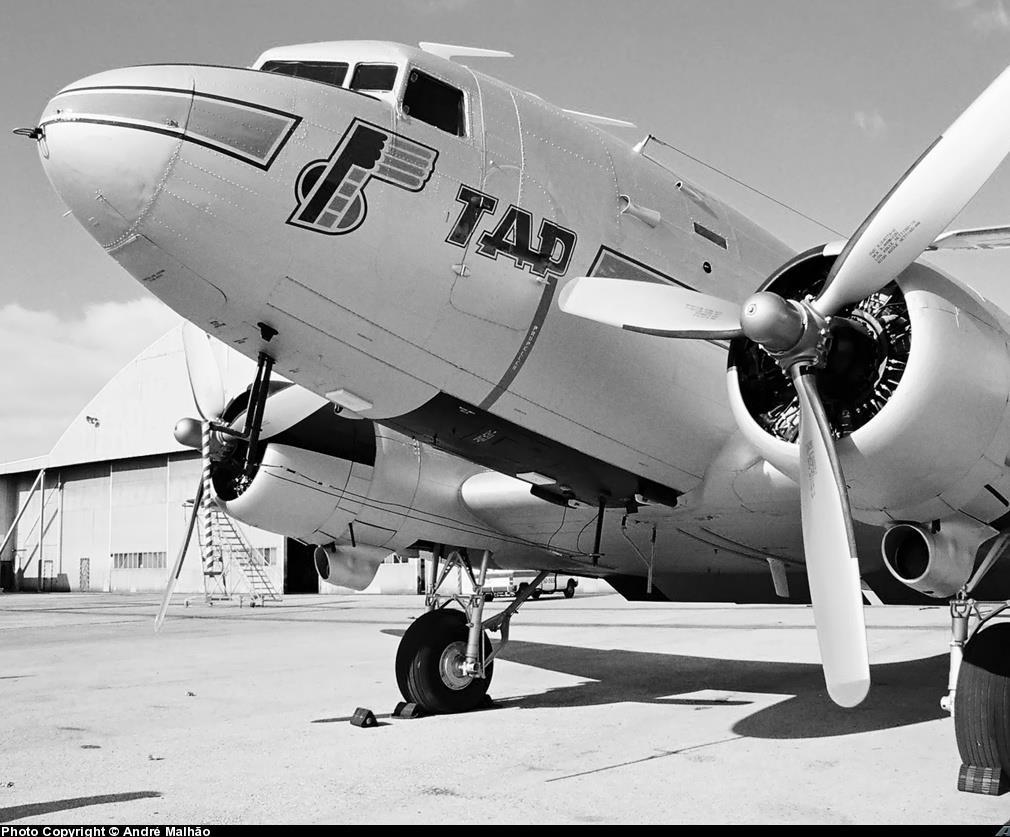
{"x": 107, "y": 508}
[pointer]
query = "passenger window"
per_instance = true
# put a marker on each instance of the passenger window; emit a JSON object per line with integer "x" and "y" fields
{"x": 374, "y": 77}
{"x": 434, "y": 102}
{"x": 327, "y": 72}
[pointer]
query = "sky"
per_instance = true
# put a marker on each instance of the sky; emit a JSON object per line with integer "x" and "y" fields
{"x": 819, "y": 103}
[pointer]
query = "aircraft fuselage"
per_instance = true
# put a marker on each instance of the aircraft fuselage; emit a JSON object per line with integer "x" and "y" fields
{"x": 411, "y": 273}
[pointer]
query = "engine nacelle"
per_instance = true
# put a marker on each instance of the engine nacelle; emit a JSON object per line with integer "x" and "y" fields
{"x": 917, "y": 390}
{"x": 935, "y": 563}
{"x": 302, "y": 494}
{"x": 349, "y": 566}
{"x": 315, "y": 479}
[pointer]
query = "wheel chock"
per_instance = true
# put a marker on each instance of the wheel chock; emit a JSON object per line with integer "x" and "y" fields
{"x": 363, "y": 718}
{"x": 408, "y": 711}
{"x": 987, "y": 780}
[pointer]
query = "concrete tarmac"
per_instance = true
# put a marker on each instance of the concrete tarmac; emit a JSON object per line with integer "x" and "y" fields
{"x": 605, "y": 712}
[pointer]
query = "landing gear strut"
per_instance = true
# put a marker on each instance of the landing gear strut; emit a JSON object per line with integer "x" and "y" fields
{"x": 979, "y": 695}
{"x": 444, "y": 662}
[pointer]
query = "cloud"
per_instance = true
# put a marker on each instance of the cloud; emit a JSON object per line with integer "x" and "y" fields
{"x": 870, "y": 122}
{"x": 53, "y": 365}
{"x": 983, "y": 16}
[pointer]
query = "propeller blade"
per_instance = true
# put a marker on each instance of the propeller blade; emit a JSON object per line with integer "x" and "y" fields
{"x": 285, "y": 409}
{"x": 177, "y": 567}
{"x": 204, "y": 373}
{"x": 830, "y": 548}
{"x": 924, "y": 201}
{"x": 650, "y": 308}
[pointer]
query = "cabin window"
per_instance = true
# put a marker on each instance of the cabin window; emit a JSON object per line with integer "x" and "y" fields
{"x": 374, "y": 77}
{"x": 327, "y": 72}
{"x": 434, "y": 102}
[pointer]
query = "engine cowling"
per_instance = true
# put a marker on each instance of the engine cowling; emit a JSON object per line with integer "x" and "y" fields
{"x": 915, "y": 386}
{"x": 308, "y": 481}
{"x": 302, "y": 494}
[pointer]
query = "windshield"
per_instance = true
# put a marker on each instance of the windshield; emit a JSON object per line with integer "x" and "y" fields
{"x": 377, "y": 77}
{"x": 327, "y": 72}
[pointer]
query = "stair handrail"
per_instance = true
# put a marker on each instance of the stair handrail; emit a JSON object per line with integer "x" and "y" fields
{"x": 254, "y": 551}
{"x": 256, "y": 560}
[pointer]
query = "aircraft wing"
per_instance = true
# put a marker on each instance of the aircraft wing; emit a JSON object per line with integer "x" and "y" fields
{"x": 980, "y": 238}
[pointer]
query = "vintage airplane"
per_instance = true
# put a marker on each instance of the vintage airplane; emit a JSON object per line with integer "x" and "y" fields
{"x": 438, "y": 260}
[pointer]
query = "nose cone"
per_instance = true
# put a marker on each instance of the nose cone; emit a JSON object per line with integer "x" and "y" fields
{"x": 109, "y": 144}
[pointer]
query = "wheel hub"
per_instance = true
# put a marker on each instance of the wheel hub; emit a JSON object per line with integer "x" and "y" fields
{"x": 450, "y": 666}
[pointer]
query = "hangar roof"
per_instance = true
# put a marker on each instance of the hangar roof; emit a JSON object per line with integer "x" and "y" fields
{"x": 134, "y": 413}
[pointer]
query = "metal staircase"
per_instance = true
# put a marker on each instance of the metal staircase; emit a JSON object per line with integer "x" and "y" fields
{"x": 231, "y": 565}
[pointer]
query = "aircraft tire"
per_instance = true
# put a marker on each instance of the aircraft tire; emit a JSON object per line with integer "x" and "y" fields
{"x": 982, "y": 702}
{"x": 569, "y": 590}
{"x": 421, "y": 661}
{"x": 406, "y": 650}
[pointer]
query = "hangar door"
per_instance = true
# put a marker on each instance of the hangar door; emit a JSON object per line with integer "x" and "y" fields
{"x": 299, "y": 568}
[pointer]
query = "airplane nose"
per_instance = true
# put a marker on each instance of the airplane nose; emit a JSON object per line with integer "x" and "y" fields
{"x": 109, "y": 142}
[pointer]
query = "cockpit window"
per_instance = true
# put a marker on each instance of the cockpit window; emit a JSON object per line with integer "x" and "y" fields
{"x": 328, "y": 72}
{"x": 434, "y": 102}
{"x": 374, "y": 77}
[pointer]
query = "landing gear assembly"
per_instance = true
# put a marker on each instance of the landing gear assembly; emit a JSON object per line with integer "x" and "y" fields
{"x": 445, "y": 659}
{"x": 979, "y": 694}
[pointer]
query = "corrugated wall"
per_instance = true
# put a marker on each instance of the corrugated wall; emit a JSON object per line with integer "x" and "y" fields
{"x": 113, "y": 527}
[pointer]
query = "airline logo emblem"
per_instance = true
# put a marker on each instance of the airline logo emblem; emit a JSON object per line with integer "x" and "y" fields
{"x": 331, "y": 193}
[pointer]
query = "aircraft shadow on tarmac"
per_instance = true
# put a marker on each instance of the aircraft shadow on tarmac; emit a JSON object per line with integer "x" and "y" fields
{"x": 34, "y": 809}
{"x": 903, "y": 693}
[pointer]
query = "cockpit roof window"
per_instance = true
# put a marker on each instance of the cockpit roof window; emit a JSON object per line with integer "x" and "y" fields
{"x": 327, "y": 72}
{"x": 374, "y": 77}
{"x": 434, "y": 102}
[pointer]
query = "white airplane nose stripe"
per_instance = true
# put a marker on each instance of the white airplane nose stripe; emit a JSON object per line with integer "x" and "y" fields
{"x": 249, "y": 132}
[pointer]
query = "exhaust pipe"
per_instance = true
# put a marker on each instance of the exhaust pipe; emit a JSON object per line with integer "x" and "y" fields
{"x": 935, "y": 563}
{"x": 349, "y": 566}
